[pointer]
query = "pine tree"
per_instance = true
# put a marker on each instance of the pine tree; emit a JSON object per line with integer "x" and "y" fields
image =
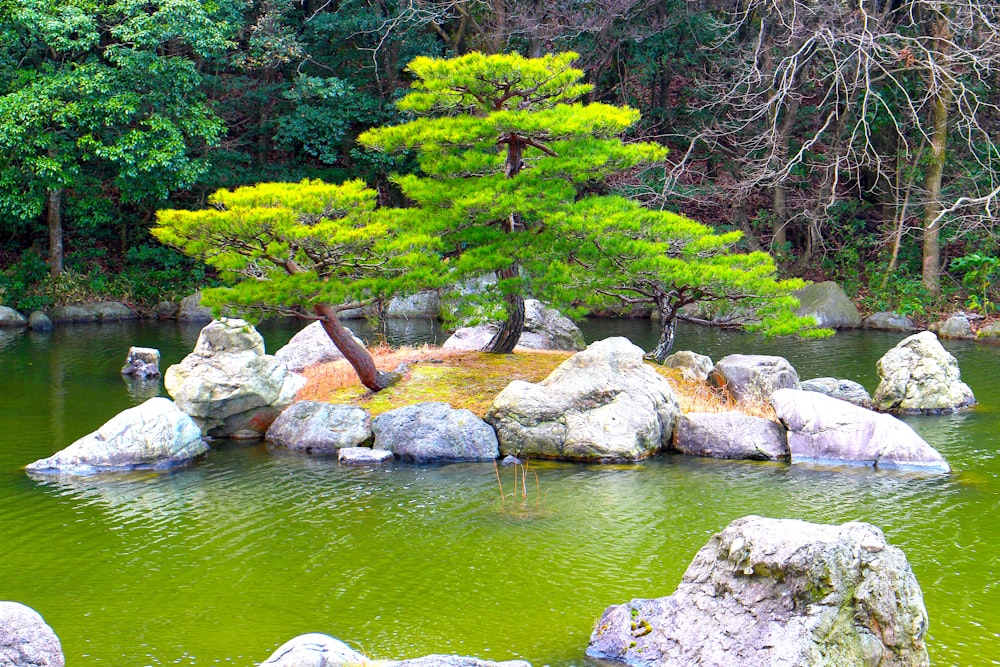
{"x": 291, "y": 248}
{"x": 504, "y": 144}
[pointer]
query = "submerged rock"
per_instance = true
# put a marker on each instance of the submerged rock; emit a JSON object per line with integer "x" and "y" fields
{"x": 153, "y": 435}
{"x": 544, "y": 329}
{"x": 26, "y": 640}
{"x": 320, "y": 428}
{"x": 845, "y": 390}
{"x": 364, "y": 456}
{"x": 829, "y": 305}
{"x": 228, "y": 385}
{"x": 427, "y": 432}
{"x": 822, "y": 429}
{"x": 730, "y": 435}
{"x": 778, "y": 593}
{"x": 753, "y": 377}
{"x": 919, "y": 376}
{"x": 602, "y": 404}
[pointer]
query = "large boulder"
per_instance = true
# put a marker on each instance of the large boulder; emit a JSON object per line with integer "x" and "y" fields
{"x": 228, "y": 385}
{"x": 11, "y": 318}
{"x": 753, "y": 377}
{"x": 26, "y": 640}
{"x": 920, "y": 376}
{"x": 153, "y": 435}
{"x": 829, "y": 305}
{"x": 602, "y": 404}
{"x": 778, "y": 593}
{"x": 544, "y": 329}
{"x": 320, "y": 428}
{"x": 730, "y": 435}
{"x": 822, "y": 429}
{"x": 845, "y": 390}
{"x": 693, "y": 366}
{"x": 888, "y": 321}
{"x": 427, "y": 432}
{"x": 309, "y": 347}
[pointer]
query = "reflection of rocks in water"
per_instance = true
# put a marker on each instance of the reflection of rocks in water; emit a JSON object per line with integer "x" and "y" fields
{"x": 141, "y": 388}
{"x": 8, "y": 336}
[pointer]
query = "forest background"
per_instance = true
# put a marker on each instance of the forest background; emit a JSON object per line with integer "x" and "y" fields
{"x": 853, "y": 141}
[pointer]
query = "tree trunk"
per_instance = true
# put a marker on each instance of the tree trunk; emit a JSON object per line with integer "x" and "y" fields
{"x": 55, "y": 231}
{"x": 668, "y": 326}
{"x": 356, "y": 354}
{"x": 931, "y": 264}
{"x": 504, "y": 341}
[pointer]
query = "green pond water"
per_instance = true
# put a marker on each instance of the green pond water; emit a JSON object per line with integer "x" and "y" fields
{"x": 222, "y": 561}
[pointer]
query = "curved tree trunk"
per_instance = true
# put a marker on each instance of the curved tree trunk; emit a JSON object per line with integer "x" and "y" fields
{"x": 504, "y": 341}
{"x": 356, "y": 354}
{"x": 668, "y": 328}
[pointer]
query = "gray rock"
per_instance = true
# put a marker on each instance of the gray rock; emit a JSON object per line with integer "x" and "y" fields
{"x": 39, "y": 321}
{"x": 602, "y": 404}
{"x": 421, "y": 304}
{"x": 919, "y": 376}
{"x": 26, "y": 640}
{"x": 101, "y": 311}
{"x": 956, "y": 326}
{"x": 428, "y": 432}
{"x": 228, "y": 385}
{"x": 888, "y": 321}
{"x": 845, "y": 390}
{"x": 320, "y": 428}
{"x": 167, "y": 310}
{"x": 693, "y": 366}
{"x": 112, "y": 311}
{"x": 730, "y": 435}
{"x": 11, "y": 318}
{"x": 364, "y": 456}
{"x": 309, "y": 347}
{"x": 828, "y": 303}
{"x": 74, "y": 313}
{"x": 753, "y": 377}
{"x": 989, "y": 332}
{"x": 544, "y": 329}
{"x": 315, "y": 650}
{"x": 778, "y": 593}
{"x": 153, "y": 435}
{"x": 191, "y": 310}
{"x": 142, "y": 362}
{"x": 822, "y": 429}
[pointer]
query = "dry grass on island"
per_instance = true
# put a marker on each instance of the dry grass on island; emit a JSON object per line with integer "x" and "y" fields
{"x": 471, "y": 380}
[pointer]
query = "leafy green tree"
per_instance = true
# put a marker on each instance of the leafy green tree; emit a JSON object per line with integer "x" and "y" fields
{"x": 503, "y": 145}
{"x": 615, "y": 250}
{"x": 105, "y": 91}
{"x": 294, "y": 248}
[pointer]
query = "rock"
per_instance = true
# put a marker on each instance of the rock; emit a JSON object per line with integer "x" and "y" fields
{"x": 693, "y": 366}
{"x": 191, "y": 310}
{"x": 26, "y": 640}
{"x": 153, "y": 435}
{"x": 112, "y": 311}
{"x": 11, "y": 318}
{"x": 315, "y": 650}
{"x": 829, "y": 305}
{"x": 956, "y": 326}
{"x": 228, "y": 385}
{"x": 320, "y": 428}
{"x": 845, "y": 390}
{"x": 544, "y": 329}
{"x": 143, "y": 362}
{"x": 452, "y": 661}
{"x": 602, "y": 404}
{"x": 39, "y": 321}
{"x": 74, "y": 313}
{"x": 364, "y": 456}
{"x": 989, "y": 332}
{"x": 167, "y": 310}
{"x": 888, "y": 321}
{"x": 822, "y": 429}
{"x": 753, "y": 377}
{"x": 730, "y": 435}
{"x": 427, "y": 432}
{"x": 309, "y": 347}
{"x": 421, "y": 304}
{"x": 101, "y": 311}
{"x": 778, "y": 593}
{"x": 919, "y": 376}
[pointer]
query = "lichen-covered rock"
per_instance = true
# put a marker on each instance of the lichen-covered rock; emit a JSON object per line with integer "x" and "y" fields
{"x": 544, "y": 329}
{"x": 309, "y": 347}
{"x": 730, "y": 435}
{"x": 822, "y": 429}
{"x": 778, "y": 593}
{"x": 320, "y": 428}
{"x": 11, "y": 318}
{"x": 753, "y": 377}
{"x": 25, "y": 638}
{"x": 956, "y": 326}
{"x": 155, "y": 434}
{"x": 693, "y": 366}
{"x": 919, "y": 376}
{"x": 228, "y": 385}
{"x": 888, "y": 321}
{"x": 845, "y": 390}
{"x": 602, "y": 404}
{"x": 829, "y": 305}
{"x": 315, "y": 650}
{"x": 364, "y": 456}
{"x": 427, "y": 432}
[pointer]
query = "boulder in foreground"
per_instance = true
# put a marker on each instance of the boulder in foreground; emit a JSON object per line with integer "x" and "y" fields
{"x": 26, "y": 640}
{"x": 778, "y": 593}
